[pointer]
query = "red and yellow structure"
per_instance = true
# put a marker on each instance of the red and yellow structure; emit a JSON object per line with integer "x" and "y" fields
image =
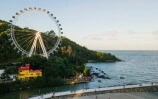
{"x": 26, "y": 73}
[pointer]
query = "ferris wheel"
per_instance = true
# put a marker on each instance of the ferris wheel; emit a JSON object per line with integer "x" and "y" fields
{"x": 31, "y": 42}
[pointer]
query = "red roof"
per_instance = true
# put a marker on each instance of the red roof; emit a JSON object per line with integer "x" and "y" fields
{"x": 27, "y": 67}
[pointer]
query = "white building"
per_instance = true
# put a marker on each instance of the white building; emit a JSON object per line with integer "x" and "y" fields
{"x": 1, "y": 71}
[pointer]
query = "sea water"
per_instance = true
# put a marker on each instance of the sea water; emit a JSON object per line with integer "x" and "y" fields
{"x": 137, "y": 67}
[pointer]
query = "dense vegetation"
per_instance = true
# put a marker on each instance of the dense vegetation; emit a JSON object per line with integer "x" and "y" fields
{"x": 68, "y": 62}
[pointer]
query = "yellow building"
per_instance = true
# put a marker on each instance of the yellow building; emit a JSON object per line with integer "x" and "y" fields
{"x": 26, "y": 73}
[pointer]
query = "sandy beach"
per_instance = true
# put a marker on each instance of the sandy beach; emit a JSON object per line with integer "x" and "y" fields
{"x": 136, "y": 95}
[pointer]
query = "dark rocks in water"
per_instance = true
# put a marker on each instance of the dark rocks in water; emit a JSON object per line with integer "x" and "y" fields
{"x": 103, "y": 77}
{"x": 99, "y": 80}
{"x": 104, "y": 73}
{"x": 131, "y": 84}
{"x": 107, "y": 78}
{"x": 95, "y": 74}
{"x": 122, "y": 78}
{"x": 90, "y": 67}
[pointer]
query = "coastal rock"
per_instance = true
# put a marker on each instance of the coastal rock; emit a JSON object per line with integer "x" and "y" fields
{"x": 99, "y": 80}
{"x": 103, "y": 77}
{"x": 107, "y": 78}
{"x": 122, "y": 78}
{"x": 95, "y": 74}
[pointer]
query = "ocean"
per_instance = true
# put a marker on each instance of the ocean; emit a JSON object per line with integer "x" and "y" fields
{"x": 137, "y": 67}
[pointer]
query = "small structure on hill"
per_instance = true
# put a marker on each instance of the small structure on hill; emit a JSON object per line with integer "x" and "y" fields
{"x": 5, "y": 78}
{"x": 1, "y": 71}
{"x": 26, "y": 73}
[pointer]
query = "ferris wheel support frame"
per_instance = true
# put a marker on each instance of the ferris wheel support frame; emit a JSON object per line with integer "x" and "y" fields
{"x": 33, "y": 48}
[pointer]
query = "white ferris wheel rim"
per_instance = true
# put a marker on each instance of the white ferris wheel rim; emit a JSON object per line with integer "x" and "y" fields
{"x": 14, "y": 20}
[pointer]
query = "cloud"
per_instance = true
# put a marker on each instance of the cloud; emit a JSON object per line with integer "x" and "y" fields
{"x": 132, "y": 32}
{"x": 104, "y": 35}
{"x": 123, "y": 35}
{"x": 155, "y": 32}
{"x": 112, "y": 33}
{"x": 135, "y": 32}
{"x": 92, "y": 38}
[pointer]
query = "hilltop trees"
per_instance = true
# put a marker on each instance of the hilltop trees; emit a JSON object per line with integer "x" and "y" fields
{"x": 7, "y": 52}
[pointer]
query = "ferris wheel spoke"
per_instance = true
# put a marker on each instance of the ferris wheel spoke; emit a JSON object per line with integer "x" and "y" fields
{"x": 48, "y": 44}
{"x": 28, "y": 44}
{"x": 25, "y": 45}
{"x": 49, "y": 40}
{"x": 26, "y": 40}
{"x": 21, "y": 32}
{"x": 22, "y": 35}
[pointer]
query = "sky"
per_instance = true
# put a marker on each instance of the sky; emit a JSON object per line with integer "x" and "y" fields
{"x": 96, "y": 24}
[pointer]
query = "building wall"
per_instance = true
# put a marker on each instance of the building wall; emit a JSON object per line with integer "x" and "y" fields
{"x": 27, "y": 74}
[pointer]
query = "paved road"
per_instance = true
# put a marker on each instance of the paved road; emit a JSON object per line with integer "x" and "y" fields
{"x": 49, "y": 95}
{"x": 136, "y": 95}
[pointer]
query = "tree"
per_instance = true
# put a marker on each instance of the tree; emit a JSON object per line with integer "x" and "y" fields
{"x": 35, "y": 61}
{"x": 86, "y": 71}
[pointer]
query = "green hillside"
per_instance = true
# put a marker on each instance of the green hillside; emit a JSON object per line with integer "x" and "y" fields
{"x": 68, "y": 48}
